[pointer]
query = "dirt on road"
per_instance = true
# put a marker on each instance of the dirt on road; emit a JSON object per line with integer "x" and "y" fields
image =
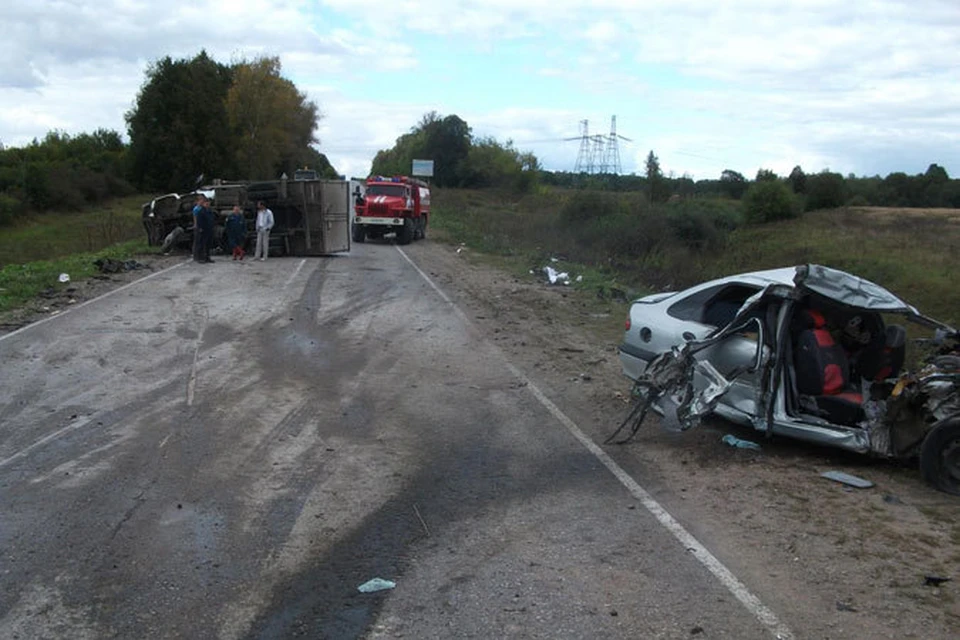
{"x": 858, "y": 560}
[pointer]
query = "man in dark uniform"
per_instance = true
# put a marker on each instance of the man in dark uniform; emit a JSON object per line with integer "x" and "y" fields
{"x": 205, "y": 227}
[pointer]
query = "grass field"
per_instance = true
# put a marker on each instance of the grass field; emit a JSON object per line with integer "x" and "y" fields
{"x": 908, "y": 251}
{"x": 35, "y": 252}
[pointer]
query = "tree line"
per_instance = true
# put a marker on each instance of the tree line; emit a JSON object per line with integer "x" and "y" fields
{"x": 192, "y": 120}
{"x": 823, "y": 190}
{"x": 459, "y": 158}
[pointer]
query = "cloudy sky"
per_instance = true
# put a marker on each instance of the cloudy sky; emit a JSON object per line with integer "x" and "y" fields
{"x": 864, "y": 87}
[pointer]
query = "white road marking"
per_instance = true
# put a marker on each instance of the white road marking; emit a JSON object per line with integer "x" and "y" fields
{"x": 44, "y": 440}
{"x": 294, "y": 274}
{"x": 726, "y": 577}
{"x": 192, "y": 380}
{"x": 286, "y": 285}
{"x": 91, "y": 301}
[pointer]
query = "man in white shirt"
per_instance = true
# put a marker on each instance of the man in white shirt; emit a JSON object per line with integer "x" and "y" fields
{"x": 264, "y": 224}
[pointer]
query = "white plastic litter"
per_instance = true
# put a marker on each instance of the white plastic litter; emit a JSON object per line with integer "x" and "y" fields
{"x": 376, "y": 584}
{"x": 64, "y": 277}
{"x": 555, "y": 277}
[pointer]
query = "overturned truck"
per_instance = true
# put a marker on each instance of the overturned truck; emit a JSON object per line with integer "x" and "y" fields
{"x": 311, "y": 216}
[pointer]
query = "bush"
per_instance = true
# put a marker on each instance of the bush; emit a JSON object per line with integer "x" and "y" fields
{"x": 825, "y": 190}
{"x": 9, "y": 209}
{"x": 768, "y": 200}
{"x": 583, "y": 206}
{"x": 702, "y": 224}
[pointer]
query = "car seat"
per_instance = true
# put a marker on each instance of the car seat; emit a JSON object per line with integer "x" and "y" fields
{"x": 823, "y": 370}
{"x": 883, "y": 362}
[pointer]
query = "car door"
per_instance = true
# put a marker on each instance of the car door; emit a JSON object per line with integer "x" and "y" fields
{"x": 710, "y": 310}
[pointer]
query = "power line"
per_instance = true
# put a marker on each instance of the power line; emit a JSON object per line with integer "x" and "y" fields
{"x": 599, "y": 153}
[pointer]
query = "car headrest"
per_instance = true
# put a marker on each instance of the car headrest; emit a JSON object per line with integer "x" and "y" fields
{"x": 896, "y": 336}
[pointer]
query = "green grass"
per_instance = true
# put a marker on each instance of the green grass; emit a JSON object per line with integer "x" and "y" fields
{"x": 55, "y": 235}
{"x": 20, "y": 283}
{"x": 35, "y": 252}
{"x": 910, "y": 252}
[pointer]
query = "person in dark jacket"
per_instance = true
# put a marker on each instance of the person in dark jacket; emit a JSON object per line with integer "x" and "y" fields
{"x": 205, "y": 226}
{"x": 236, "y": 232}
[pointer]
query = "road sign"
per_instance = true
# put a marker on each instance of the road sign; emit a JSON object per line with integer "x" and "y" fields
{"x": 422, "y": 168}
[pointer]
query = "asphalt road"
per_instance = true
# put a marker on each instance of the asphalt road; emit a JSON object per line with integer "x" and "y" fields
{"x": 230, "y": 450}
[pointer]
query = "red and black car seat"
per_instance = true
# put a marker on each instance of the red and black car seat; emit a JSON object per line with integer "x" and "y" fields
{"x": 823, "y": 370}
{"x": 886, "y": 360}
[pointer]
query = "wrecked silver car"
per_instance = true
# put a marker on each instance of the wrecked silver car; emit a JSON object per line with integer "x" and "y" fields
{"x": 808, "y": 352}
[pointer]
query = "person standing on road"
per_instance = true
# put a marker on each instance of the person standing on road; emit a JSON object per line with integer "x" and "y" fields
{"x": 236, "y": 232}
{"x": 197, "y": 206}
{"x": 205, "y": 225}
{"x": 264, "y": 224}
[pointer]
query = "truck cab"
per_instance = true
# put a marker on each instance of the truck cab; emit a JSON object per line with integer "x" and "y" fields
{"x": 399, "y": 205}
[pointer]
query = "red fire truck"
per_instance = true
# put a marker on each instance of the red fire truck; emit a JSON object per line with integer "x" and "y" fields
{"x": 399, "y": 205}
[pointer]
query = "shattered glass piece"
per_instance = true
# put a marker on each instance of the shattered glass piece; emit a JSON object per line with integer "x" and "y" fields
{"x": 376, "y": 584}
{"x": 847, "y": 479}
{"x": 734, "y": 441}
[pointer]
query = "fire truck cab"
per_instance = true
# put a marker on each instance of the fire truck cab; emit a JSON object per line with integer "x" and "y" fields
{"x": 398, "y": 205}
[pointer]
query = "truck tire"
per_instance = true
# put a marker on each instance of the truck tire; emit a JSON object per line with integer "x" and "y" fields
{"x": 405, "y": 233}
{"x": 172, "y": 239}
{"x": 940, "y": 456}
{"x": 357, "y": 233}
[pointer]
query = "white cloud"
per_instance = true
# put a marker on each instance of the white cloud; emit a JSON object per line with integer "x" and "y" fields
{"x": 864, "y": 87}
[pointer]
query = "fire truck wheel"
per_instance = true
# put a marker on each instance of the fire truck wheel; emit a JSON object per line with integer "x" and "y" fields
{"x": 359, "y": 235}
{"x": 405, "y": 233}
{"x": 940, "y": 455}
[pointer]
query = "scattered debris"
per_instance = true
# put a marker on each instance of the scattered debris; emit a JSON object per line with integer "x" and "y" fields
{"x": 934, "y": 581}
{"x": 109, "y": 265}
{"x": 847, "y": 479}
{"x": 376, "y": 584}
{"x": 64, "y": 277}
{"x": 556, "y": 277}
{"x": 734, "y": 441}
{"x": 889, "y": 498}
{"x": 420, "y": 518}
{"x": 845, "y": 606}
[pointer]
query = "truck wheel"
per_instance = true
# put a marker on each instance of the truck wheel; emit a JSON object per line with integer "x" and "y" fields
{"x": 405, "y": 233}
{"x": 358, "y": 234}
{"x": 172, "y": 238}
{"x": 940, "y": 456}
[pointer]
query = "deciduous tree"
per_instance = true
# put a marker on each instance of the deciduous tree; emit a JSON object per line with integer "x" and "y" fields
{"x": 271, "y": 121}
{"x": 178, "y": 126}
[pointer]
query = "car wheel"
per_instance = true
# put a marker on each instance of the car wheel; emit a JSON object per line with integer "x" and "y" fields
{"x": 940, "y": 456}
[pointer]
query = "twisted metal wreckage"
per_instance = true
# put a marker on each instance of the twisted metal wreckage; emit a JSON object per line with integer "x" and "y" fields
{"x": 915, "y": 414}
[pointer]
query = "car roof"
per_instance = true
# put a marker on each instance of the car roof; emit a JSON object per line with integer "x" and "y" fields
{"x": 783, "y": 275}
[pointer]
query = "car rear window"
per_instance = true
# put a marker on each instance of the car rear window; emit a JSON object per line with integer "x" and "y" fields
{"x": 715, "y": 306}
